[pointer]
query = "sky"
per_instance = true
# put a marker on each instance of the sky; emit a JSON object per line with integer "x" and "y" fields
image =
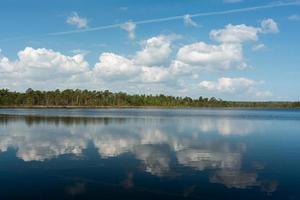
{"x": 229, "y": 49}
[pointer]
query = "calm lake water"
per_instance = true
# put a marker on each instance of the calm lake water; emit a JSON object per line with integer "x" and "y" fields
{"x": 149, "y": 154}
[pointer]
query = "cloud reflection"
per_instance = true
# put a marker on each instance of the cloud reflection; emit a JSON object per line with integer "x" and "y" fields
{"x": 153, "y": 141}
{"x": 225, "y": 126}
{"x": 235, "y": 179}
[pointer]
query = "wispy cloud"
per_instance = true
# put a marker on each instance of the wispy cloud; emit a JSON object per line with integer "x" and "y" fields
{"x": 258, "y": 47}
{"x": 188, "y": 21}
{"x": 130, "y": 28}
{"x": 76, "y": 20}
{"x": 180, "y": 17}
{"x": 294, "y": 17}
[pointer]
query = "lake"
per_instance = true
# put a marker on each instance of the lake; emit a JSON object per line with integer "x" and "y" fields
{"x": 149, "y": 154}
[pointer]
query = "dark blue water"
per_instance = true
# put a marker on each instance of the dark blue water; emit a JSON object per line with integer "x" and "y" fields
{"x": 149, "y": 154}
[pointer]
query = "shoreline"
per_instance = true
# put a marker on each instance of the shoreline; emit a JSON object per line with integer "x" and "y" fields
{"x": 149, "y": 107}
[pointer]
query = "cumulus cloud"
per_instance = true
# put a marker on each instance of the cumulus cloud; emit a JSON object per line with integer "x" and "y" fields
{"x": 148, "y": 64}
{"x": 187, "y": 19}
{"x": 45, "y": 63}
{"x": 5, "y": 64}
{"x": 235, "y": 34}
{"x": 238, "y": 85}
{"x": 112, "y": 66}
{"x": 156, "y": 51}
{"x": 180, "y": 68}
{"x": 228, "y": 54}
{"x": 153, "y": 74}
{"x": 115, "y": 67}
{"x": 243, "y": 33}
{"x": 159, "y": 61}
{"x": 206, "y": 56}
{"x": 76, "y": 20}
{"x": 41, "y": 65}
{"x": 129, "y": 27}
{"x": 230, "y": 85}
{"x": 142, "y": 68}
{"x": 47, "y": 58}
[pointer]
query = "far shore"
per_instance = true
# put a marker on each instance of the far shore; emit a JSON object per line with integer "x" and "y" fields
{"x": 144, "y": 107}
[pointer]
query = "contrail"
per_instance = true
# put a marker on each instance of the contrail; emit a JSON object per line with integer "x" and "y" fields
{"x": 181, "y": 17}
{"x": 178, "y": 17}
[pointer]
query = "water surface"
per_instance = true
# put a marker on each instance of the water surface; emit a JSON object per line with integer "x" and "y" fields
{"x": 149, "y": 154}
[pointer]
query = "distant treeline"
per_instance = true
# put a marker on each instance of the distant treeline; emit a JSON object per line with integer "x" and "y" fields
{"x": 86, "y": 98}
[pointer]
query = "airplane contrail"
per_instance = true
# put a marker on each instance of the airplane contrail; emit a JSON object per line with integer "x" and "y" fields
{"x": 157, "y": 20}
{"x": 248, "y": 9}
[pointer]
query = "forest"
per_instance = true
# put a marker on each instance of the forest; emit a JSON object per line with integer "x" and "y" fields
{"x": 86, "y": 98}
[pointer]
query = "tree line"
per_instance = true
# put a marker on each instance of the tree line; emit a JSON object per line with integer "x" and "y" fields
{"x": 86, "y": 98}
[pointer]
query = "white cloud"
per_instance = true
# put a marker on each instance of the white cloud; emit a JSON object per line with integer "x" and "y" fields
{"x": 76, "y": 20}
{"x": 180, "y": 68}
{"x": 235, "y": 179}
{"x": 129, "y": 27}
{"x": 269, "y": 26}
{"x": 40, "y": 68}
{"x": 155, "y": 52}
{"x": 154, "y": 74}
{"x": 117, "y": 68}
{"x": 224, "y": 56}
{"x": 187, "y": 19}
{"x": 205, "y": 56}
{"x": 154, "y": 64}
{"x": 156, "y": 159}
{"x": 179, "y": 17}
{"x": 243, "y": 33}
{"x": 235, "y": 34}
{"x": 209, "y": 158}
{"x": 236, "y": 86}
{"x": 148, "y": 65}
{"x": 226, "y": 126}
{"x": 5, "y": 65}
{"x": 113, "y": 66}
{"x": 46, "y": 62}
{"x": 112, "y": 144}
{"x": 294, "y": 17}
{"x": 228, "y": 85}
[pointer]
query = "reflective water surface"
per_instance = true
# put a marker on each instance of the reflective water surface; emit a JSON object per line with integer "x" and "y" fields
{"x": 149, "y": 154}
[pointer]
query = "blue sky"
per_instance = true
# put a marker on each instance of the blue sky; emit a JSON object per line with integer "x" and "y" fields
{"x": 230, "y": 49}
